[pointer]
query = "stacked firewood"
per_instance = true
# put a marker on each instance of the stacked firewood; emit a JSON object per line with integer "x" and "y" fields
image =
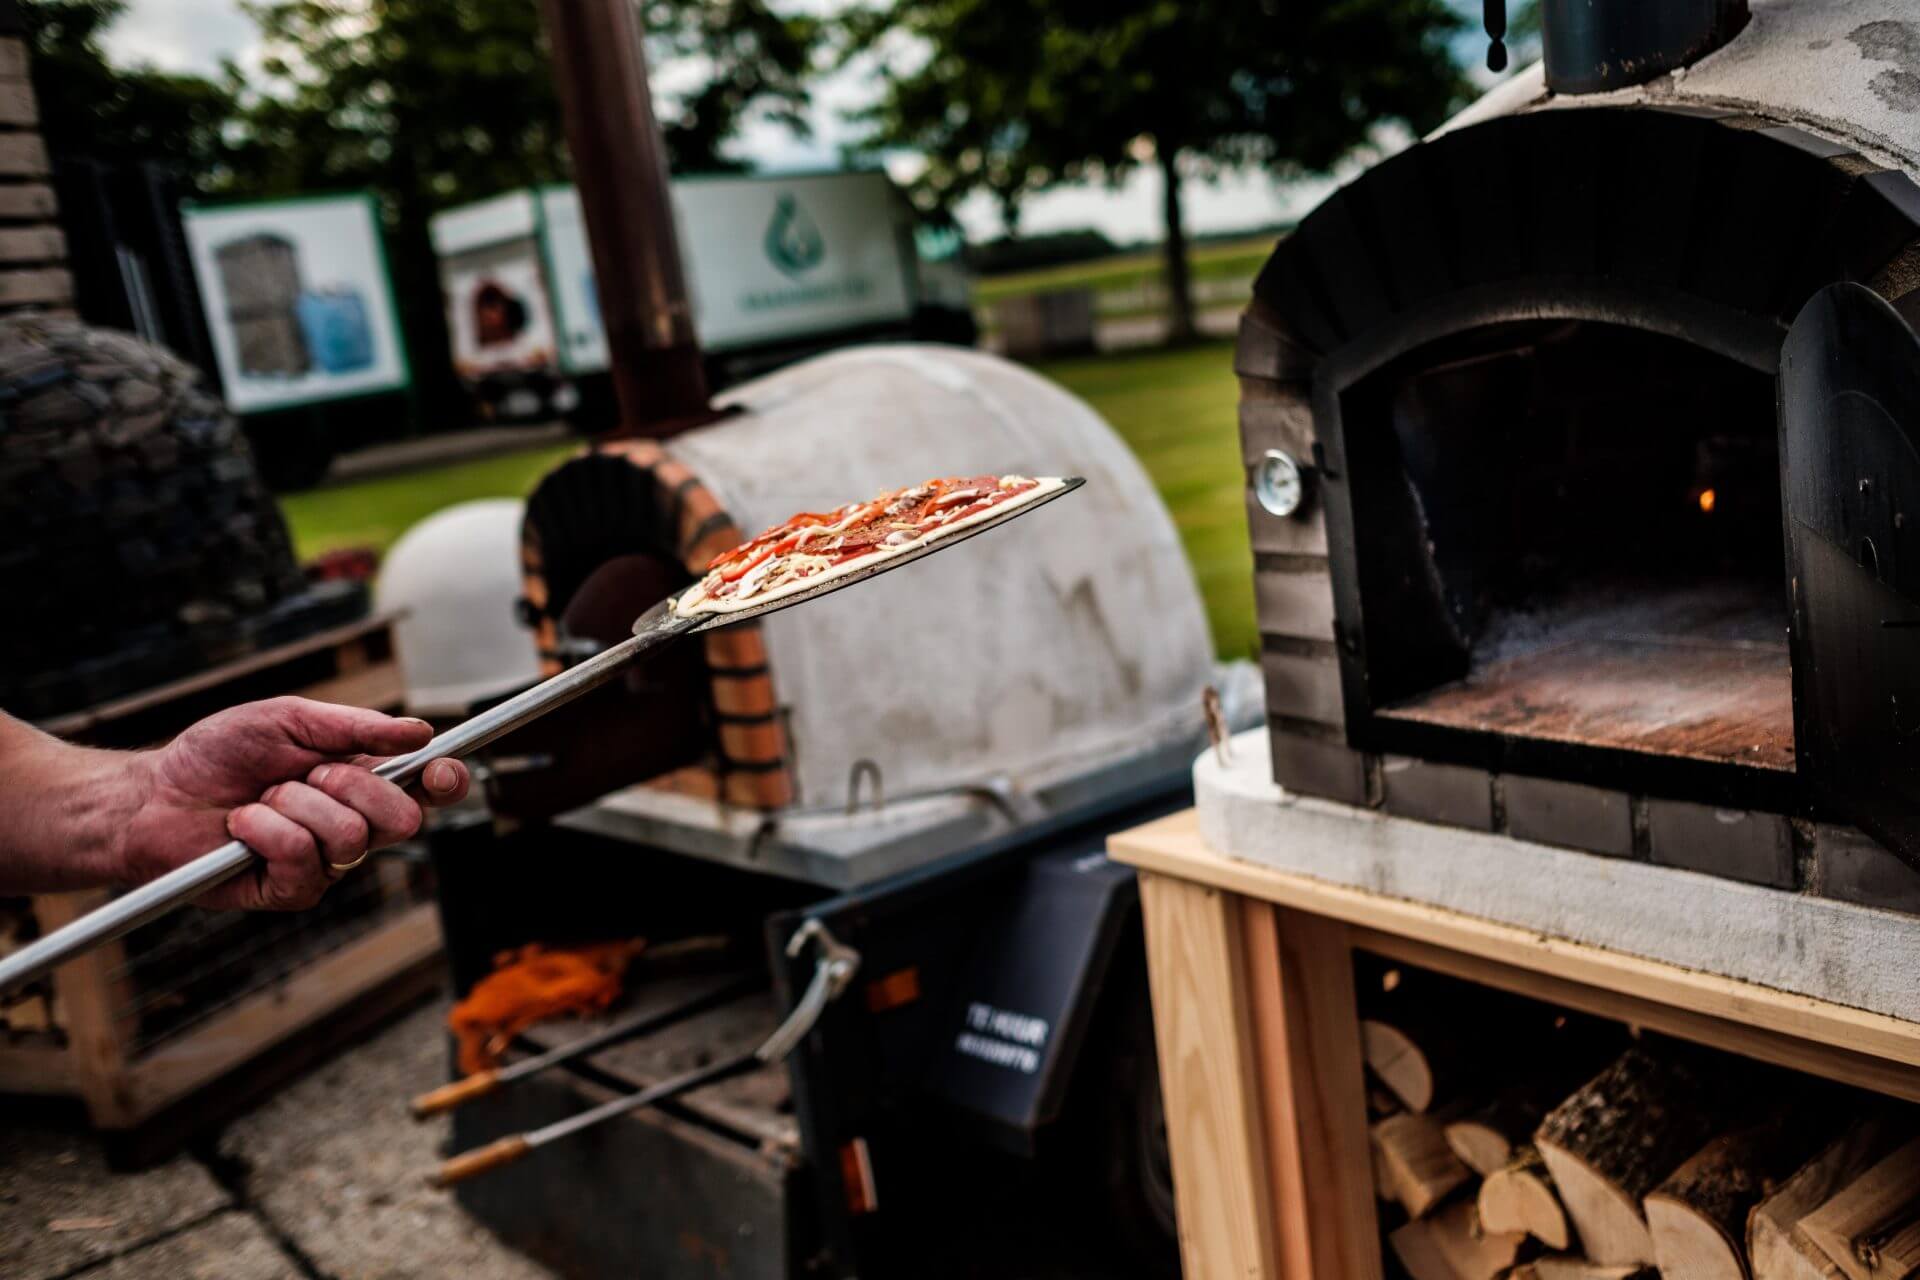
{"x": 1601, "y": 1155}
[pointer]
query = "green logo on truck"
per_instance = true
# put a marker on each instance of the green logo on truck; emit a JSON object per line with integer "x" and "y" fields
{"x": 793, "y": 243}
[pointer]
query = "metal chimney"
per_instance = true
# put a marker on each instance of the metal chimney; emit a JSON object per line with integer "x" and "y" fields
{"x": 620, "y": 168}
{"x": 1596, "y": 45}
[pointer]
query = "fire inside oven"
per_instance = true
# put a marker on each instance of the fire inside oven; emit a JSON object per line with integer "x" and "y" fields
{"x": 1569, "y": 554}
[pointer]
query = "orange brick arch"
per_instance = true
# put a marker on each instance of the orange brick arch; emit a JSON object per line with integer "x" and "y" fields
{"x": 752, "y": 762}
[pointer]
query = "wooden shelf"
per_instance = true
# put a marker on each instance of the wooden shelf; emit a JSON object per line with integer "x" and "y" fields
{"x": 351, "y": 634}
{"x": 99, "y": 1058}
{"x": 1259, "y": 1042}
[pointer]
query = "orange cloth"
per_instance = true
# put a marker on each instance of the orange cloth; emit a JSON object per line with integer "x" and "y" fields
{"x": 532, "y": 985}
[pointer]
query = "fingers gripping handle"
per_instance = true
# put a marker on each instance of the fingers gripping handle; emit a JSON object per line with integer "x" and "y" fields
{"x": 189, "y": 881}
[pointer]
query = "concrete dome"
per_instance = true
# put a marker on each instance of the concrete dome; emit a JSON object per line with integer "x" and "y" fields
{"x": 1073, "y": 637}
{"x": 457, "y": 576}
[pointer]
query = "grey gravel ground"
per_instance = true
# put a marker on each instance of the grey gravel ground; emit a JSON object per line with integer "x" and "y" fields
{"x": 335, "y": 1164}
{"x": 61, "y": 1211}
{"x": 323, "y": 1182}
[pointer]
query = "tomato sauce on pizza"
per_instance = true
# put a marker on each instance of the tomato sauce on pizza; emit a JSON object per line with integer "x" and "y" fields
{"x": 812, "y": 547}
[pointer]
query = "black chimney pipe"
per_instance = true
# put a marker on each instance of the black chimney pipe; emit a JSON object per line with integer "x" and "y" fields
{"x": 620, "y": 168}
{"x": 1596, "y": 45}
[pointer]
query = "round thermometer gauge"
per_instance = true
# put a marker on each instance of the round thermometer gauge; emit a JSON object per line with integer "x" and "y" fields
{"x": 1277, "y": 483}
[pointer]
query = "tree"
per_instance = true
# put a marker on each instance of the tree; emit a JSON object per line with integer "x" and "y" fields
{"x": 433, "y": 103}
{"x": 1012, "y": 97}
{"x": 88, "y": 107}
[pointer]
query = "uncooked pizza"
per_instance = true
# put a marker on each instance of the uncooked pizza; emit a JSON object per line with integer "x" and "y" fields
{"x": 812, "y": 547}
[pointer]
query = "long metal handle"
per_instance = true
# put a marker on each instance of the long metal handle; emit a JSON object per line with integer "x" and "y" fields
{"x": 188, "y": 881}
{"x": 482, "y": 1083}
{"x": 501, "y": 1151}
{"x": 833, "y": 970}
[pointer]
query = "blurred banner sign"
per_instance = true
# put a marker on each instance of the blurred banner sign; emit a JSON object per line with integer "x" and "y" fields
{"x": 768, "y": 259}
{"x": 298, "y": 300}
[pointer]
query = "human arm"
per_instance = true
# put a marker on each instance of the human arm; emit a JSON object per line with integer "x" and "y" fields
{"x": 290, "y": 777}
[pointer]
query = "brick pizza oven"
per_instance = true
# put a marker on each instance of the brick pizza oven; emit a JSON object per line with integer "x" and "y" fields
{"x": 1582, "y": 500}
{"x": 1041, "y": 669}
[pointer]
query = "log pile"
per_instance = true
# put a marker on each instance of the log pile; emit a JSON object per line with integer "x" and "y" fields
{"x": 1592, "y": 1156}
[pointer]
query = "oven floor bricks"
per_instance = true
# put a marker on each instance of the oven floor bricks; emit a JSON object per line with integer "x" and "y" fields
{"x": 1826, "y": 947}
{"x": 1761, "y": 849}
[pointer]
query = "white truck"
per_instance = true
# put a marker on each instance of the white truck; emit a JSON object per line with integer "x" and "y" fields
{"x": 778, "y": 267}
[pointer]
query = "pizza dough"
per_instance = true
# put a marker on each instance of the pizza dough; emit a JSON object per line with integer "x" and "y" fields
{"x": 813, "y": 548}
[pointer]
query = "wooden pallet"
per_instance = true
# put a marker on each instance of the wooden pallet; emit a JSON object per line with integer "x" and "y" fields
{"x": 352, "y": 664}
{"x": 1259, "y": 1043}
{"x": 93, "y": 1053}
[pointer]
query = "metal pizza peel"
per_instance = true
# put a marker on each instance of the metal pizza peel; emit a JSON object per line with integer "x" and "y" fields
{"x": 659, "y": 626}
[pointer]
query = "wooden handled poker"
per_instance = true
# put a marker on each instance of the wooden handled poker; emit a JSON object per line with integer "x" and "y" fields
{"x": 689, "y": 613}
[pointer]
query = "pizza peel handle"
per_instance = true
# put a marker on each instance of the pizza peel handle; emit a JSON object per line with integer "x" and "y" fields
{"x": 190, "y": 880}
{"x": 658, "y": 626}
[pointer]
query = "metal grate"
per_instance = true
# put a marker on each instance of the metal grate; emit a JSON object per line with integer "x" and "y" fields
{"x": 183, "y": 970}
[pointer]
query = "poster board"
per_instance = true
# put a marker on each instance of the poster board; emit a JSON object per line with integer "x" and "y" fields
{"x": 298, "y": 300}
{"x": 771, "y": 258}
{"x": 576, "y": 297}
{"x": 499, "y": 315}
{"x": 767, "y": 259}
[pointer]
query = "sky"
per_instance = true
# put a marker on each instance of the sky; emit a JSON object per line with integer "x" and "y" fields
{"x": 195, "y": 35}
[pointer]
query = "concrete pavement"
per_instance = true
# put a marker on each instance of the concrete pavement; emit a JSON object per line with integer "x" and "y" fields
{"x": 323, "y": 1182}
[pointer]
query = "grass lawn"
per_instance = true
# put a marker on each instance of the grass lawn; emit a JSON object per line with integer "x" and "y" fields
{"x": 1226, "y": 260}
{"x": 373, "y": 513}
{"x": 1175, "y": 408}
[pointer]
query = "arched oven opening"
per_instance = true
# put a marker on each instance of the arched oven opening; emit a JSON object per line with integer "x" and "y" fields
{"x": 1568, "y": 536}
{"x": 1511, "y": 412}
{"x": 607, "y": 536}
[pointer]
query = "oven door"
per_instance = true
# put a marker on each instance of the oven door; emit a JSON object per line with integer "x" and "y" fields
{"x": 1850, "y": 464}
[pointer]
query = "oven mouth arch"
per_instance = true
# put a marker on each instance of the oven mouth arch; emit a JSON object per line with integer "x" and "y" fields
{"x": 610, "y": 532}
{"x": 1509, "y": 221}
{"x": 1379, "y": 623}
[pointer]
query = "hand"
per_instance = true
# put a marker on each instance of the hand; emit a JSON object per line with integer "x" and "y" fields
{"x": 291, "y": 778}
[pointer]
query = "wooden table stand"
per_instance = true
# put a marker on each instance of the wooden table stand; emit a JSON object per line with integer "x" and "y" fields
{"x": 1259, "y": 1042}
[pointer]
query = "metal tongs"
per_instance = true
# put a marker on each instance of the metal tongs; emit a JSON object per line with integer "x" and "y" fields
{"x": 834, "y": 968}
{"x": 655, "y": 628}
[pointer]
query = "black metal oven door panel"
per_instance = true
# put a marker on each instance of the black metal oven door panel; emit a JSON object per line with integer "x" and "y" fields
{"x": 1850, "y": 476}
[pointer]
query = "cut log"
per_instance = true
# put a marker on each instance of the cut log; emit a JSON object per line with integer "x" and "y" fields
{"x": 1618, "y": 1137}
{"x": 1432, "y": 1039}
{"x": 1420, "y": 1168}
{"x": 1870, "y": 1229}
{"x": 1520, "y": 1197}
{"x": 1776, "y": 1247}
{"x": 1410, "y": 1063}
{"x": 1384, "y": 1187}
{"x": 1488, "y": 1138}
{"x": 1562, "y": 1054}
{"x": 1423, "y": 1035}
{"x": 1697, "y": 1216}
{"x": 1568, "y": 1267}
{"x": 1451, "y": 1246}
